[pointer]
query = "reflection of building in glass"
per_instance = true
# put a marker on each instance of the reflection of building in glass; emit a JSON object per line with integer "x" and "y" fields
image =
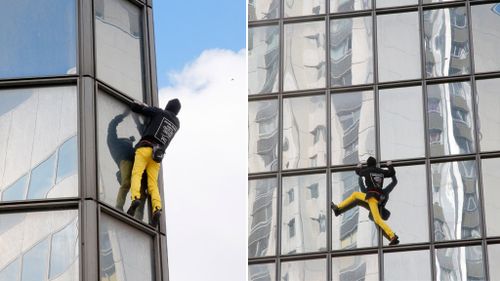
{"x": 262, "y": 218}
{"x": 63, "y": 118}
{"x": 406, "y": 81}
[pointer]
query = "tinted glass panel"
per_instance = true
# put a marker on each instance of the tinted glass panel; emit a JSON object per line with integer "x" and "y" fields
{"x": 491, "y": 193}
{"x": 353, "y": 229}
{"x": 414, "y": 265}
{"x": 304, "y": 132}
{"x": 493, "y": 258}
{"x": 446, "y": 38}
{"x": 304, "y": 7}
{"x": 263, "y": 59}
{"x": 463, "y": 263}
{"x": 125, "y": 252}
{"x": 489, "y": 116}
{"x": 409, "y": 196}
{"x": 313, "y": 270}
{"x": 262, "y": 272}
{"x": 451, "y": 123}
{"x": 118, "y": 133}
{"x": 304, "y": 57}
{"x": 263, "y": 136}
{"x": 353, "y": 128}
{"x": 262, "y": 200}
{"x": 118, "y": 32}
{"x": 398, "y": 41}
{"x": 486, "y": 35}
{"x": 37, "y": 38}
{"x": 40, "y": 246}
{"x": 303, "y": 226}
{"x": 349, "y": 5}
{"x": 401, "y": 111}
{"x": 263, "y": 9}
{"x": 351, "y": 51}
{"x": 39, "y": 126}
{"x": 455, "y": 200}
{"x": 362, "y": 267}
{"x": 394, "y": 3}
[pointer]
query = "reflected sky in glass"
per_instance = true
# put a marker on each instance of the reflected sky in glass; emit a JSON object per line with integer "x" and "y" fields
{"x": 491, "y": 193}
{"x": 487, "y": 99}
{"x": 485, "y": 20}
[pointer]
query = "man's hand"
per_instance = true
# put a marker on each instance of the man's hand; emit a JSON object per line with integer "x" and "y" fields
{"x": 359, "y": 165}
{"x": 389, "y": 163}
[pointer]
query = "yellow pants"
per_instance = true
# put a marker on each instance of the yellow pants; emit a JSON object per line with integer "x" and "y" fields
{"x": 144, "y": 161}
{"x": 373, "y": 203}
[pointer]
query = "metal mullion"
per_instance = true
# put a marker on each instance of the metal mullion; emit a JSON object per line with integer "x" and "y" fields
{"x": 304, "y": 256}
{"x": 40, "y": 205}
{"x": 351, "y": 14}
{"x": 492, "y": 154}
{"x": 481, "y": 2}
{"x": 487, "y": 75}
{"x": 350, "y": 89}
{"x": 304, "y": 172}
{"x": 261, "y": 260}
{"x": 397, "y": 10}
{"x": 260, "y": 23}
{"x": 447, "y": 79}
{"x": 303, "y": 93}
{"x": 262, "y": 97}
{"x": 265, "y": 175}
{"x": 31, "y": 82}
{"x": 127, "y": 219}
{"x": 354, "y": 252}
{"x": 458, "y": 243}
{"x": 483, "y": 215}
{"x": 110, "y": 90}
{"x": 442, "y": 5}
{"x": 301, "y": 19}
{"x": 400, "y": 84}
{"x": 281, "y": 82}
{"x": 452, "y": 158}
{"x": 147, "y": 72}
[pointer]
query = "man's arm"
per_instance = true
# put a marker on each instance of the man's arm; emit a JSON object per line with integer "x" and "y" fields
{"x": 361, "y": 184}
{"x": 358, "y": 168}
{"x": 142, "y": 108}
{"x": 388, "y": 189}
{"x": 390, "y": 172}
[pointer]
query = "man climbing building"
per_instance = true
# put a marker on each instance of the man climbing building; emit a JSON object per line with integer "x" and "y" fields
{"x": 374, "y": 180}
{"x": 162, "y": 126}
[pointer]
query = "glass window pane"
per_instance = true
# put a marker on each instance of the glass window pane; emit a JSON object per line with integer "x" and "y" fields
{"x": 351, "y": 51}
{"x": 455, "y": 200}
{"x": 493, "y": 258}
{"x": 353, "y": 128}
{"x": 64, "y": 251}
{"x": 263, "y": 59}
{"x": 446, "y": 39}
{"x": 401, "y": 111}
{"x": 263, "y": 136}
{"x": 338, "y": 6}
{"x": 307, "y": 270}
{"x": 262, "y": 272}
{"x": 37, "y": 38}
{"x": 119, "y": 45}
{"x": 461, "y": 263}
{"x": 394, "y": 3}
{"x": 67, "y": 162}
{"x": 486, "y": 35}
{"x": 411, "y": 180}
{"x": 304, "y": 7}
{"x": 491, "y": 182}
{"x": 304, "y": 58}
{"x": 126, "y": 253}
{"x": 303, "y": 226}
{"x": 489, "y": 116}
{"x": 41, "y": 240}
{"x": 450, "y": 104}
{"x": 118, "y": 133}
{"x": 262, "y": 200}
{"x": 398, "y": 41}
{"x": 360, "y": 267}
{"x": 37, "y": 125}
{"x": 353, "y": 229}
{"x": 414, "y": 265}
{"x": 263, "y": 9}
{"x": 304, "y": 132}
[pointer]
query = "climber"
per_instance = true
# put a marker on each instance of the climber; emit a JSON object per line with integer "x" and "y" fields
{"x": 162, "y": 126}
{"x": 374, "y": 180}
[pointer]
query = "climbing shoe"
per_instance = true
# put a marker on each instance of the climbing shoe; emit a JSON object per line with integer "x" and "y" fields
{"x": 156, "y": 218}
{"x": 131, "y": 210}
{"x": 335, "y": 209}
{"x": 394, "y": 240}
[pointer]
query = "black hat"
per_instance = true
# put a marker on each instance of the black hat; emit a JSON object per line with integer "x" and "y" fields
{"x": 371, "y": 161}
{"x": 173, "y": 106}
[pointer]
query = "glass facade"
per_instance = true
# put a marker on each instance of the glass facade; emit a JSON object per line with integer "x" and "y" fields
{"x": 413, "y": 82}
{"x": 69, "y": 70}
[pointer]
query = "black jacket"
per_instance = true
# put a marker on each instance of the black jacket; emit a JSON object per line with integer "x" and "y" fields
{"x": 374, "y": 179}
{"x": 161, "y": 127}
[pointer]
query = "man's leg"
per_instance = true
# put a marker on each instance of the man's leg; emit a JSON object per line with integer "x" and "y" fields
{"x": 140, "y": 163}
{"x": 153, "y": 170}
{"x": 337, "y": 209}
{"x": 125, "y": 172}
{"x": 373, "y": 203}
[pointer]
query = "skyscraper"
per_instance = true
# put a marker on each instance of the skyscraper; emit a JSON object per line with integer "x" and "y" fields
{"x": 332, "y": 82}
{"x": 68, "y": 70}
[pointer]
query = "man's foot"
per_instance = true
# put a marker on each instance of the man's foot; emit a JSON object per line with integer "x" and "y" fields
{"x": 156, "y": 218}
{"x": 394, "y": 241}
{"x": 335, "y": 209}
{"x": 131, "y": 210}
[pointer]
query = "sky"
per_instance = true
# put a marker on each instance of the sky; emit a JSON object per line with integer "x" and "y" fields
{"x": 201, "y": 59}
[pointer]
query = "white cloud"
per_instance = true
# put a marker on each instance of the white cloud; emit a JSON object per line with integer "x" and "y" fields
{"x": 205, "y": 169}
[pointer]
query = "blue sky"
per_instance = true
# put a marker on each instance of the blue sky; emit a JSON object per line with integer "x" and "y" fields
{"x": 185, "y": 28}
